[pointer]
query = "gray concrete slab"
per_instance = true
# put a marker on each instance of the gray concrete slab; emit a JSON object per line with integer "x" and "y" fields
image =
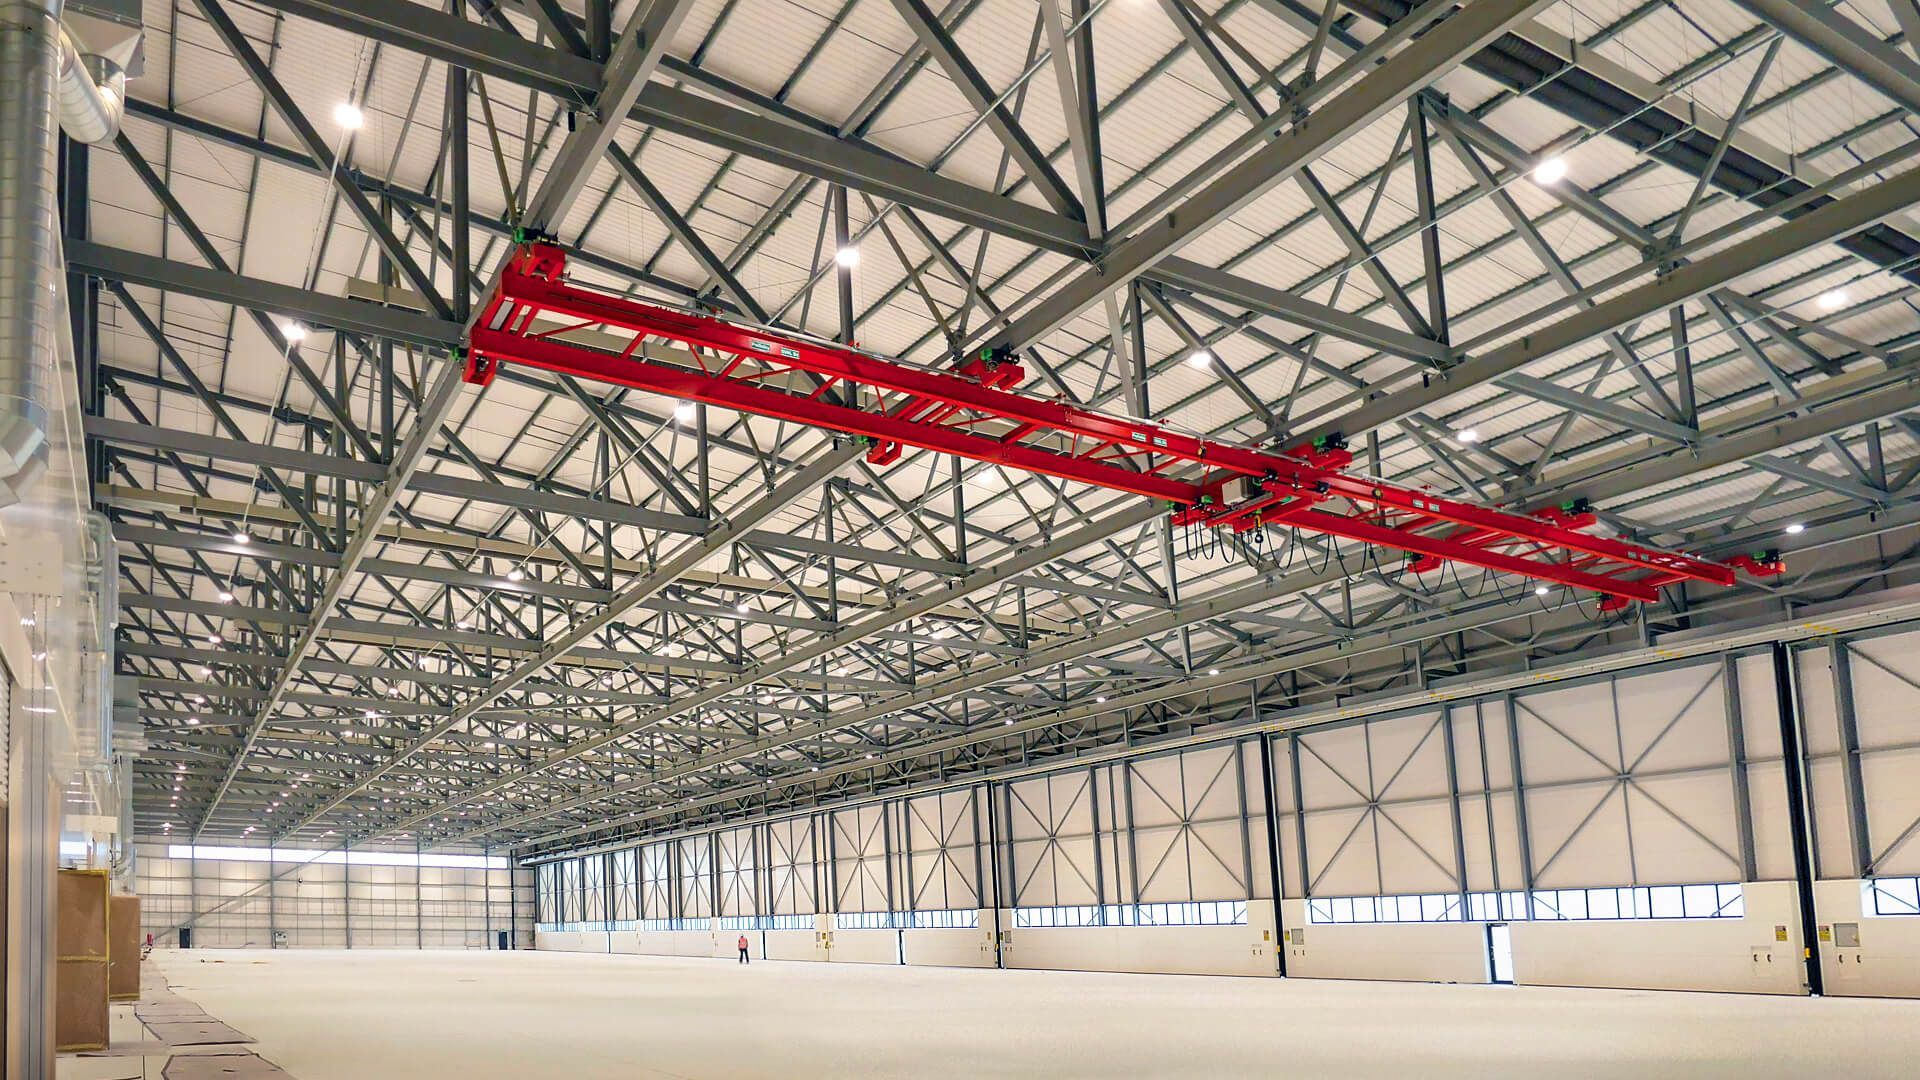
{"x": 525, "y": 1015}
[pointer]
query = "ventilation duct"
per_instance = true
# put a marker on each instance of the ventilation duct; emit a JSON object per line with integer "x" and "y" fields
{"x": 75, "y": 75}
{"x": 29, "y": 48}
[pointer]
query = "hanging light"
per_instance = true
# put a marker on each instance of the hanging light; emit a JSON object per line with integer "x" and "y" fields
{"x": 1551, "y": 171}
{"x": 683, "y": 412}
{"x": 516, "y": 574}
{"x": 1467, "y": 435}
{"x": 1832, "y": 300}
{"x": 349, "y": 116}
{"x": 847, "y": 256}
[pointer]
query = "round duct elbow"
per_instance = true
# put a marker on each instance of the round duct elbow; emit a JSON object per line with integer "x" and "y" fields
{"x": 92, "y": 94}
{"x": 23, "y": 448}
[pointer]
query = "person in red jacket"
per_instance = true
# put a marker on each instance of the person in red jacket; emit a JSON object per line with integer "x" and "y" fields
{"x": 743, "y": 950}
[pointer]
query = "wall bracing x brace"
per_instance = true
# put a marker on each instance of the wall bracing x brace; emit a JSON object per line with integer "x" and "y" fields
{"x": 974, "y": 412}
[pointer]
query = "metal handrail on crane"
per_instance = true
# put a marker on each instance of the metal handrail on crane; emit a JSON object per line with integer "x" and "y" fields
{"x": 975, "y": 411}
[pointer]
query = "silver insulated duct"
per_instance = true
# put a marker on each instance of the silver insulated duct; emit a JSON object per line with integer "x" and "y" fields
{"x": 93, "y": 93}
{"x": 29, "y": 57}
{"x": 75, "y": 75}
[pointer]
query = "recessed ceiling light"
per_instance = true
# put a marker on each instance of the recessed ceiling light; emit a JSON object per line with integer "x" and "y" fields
{"x": 1467, "y": 435}
{"x": 1551, "y": 171}
{"x": 847, "y": 256}
{"x": 1795, "y": 529}
{"x": 349, "y": 116}
{"x": 1832, "y": 300}
{"x": 1200, "y": 358}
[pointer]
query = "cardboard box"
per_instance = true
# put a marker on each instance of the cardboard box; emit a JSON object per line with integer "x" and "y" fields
{"x": 80, "y": 977}
{"x": 80, "y": 1005}
{"x": 123, "y": 948}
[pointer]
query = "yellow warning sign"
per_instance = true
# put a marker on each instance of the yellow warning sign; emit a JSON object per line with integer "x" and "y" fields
{"x": 1826, "y": 933}
{"x": 1779, "y": 933}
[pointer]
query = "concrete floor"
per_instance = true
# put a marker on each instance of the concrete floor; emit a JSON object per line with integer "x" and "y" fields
{"x": 524, "y": 1015}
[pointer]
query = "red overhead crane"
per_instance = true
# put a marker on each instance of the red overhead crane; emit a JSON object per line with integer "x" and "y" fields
{"x": 975, "y": 412}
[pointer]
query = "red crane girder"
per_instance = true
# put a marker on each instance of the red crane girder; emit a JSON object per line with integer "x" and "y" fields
{"x": 975, "y": 412}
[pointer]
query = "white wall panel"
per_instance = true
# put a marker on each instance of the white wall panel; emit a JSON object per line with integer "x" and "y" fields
{"x": 862, "y": 875}
{"x": 1051, "y": 858}
{"x": 737, "y": 851}
{"x": 696, "y": 876}
{"x": 791, "y": 867}
{"x": 657, "y": 891}
{"x": 243, "y": 903}
{"x": 944, "y": 859}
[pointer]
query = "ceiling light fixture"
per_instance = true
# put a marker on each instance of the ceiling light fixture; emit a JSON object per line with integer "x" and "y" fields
{"x": 1551, "y": 171}
{"x": 293, "y": 332}
{"x": 213, "y": 639}
{"x": 847, "y": 256}
{"x": 226, "y": 597}
{"x": 516, "y": 574}
{"x": 1467, "y": 435}
{"x": 683, "y": 412}
{"x": 1832, "y": 300}
{"x": 1539, "y": 590}
{"x": 349, "y": 116}
{"x": 1795, "y": 528}
{"x": 1200, "y": 358}
{"x": 241, "y": 536}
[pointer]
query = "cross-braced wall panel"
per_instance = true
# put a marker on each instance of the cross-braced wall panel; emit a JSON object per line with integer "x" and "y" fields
{"x": 696, "y": 876}
{"x": 943, "y": 856}
{"x": 658, "y": 893}
{"x": 793, "y": 867}
{"x": 1668, "y": 775}
{"x": 739, "y": 867}
{"x": 1863, "y": 743}
{"x": 1626, "y": 782}
{"x": 626, "y": 886}
{"x": 1189, "y": 839}
{"x": 1052, "y": 855}
{"x": 862, "y": 869}
{"x": 1375, "y": 806}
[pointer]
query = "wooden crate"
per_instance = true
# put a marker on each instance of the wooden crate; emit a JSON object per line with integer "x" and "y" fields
{"x": 123, "y": 948}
